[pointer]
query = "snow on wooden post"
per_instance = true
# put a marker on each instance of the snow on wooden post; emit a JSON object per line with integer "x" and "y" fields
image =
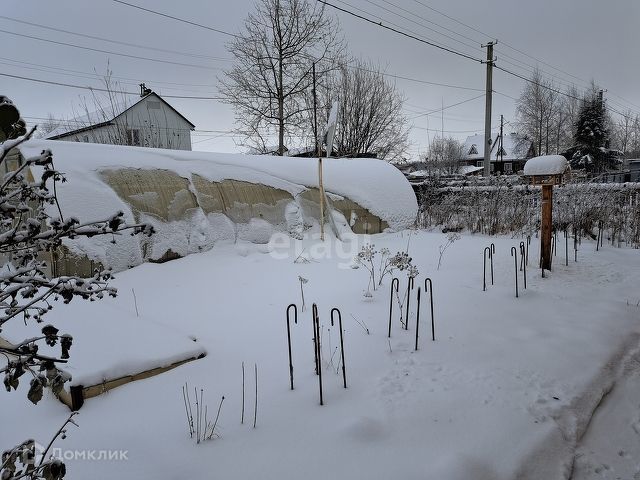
{"x": 547, "y": 170}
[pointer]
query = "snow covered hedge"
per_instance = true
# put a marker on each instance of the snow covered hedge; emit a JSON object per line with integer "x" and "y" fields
{"x": 501, "y": 206}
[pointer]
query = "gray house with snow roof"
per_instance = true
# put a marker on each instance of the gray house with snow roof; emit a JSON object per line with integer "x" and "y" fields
{"x": 148, "y": 121}
{"x": 508, "y": 153}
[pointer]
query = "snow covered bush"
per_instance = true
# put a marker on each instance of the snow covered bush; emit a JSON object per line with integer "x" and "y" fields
{"x": 32, "y": 223}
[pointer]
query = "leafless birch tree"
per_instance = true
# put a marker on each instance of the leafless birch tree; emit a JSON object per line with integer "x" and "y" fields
{"x": 274, "y": 55}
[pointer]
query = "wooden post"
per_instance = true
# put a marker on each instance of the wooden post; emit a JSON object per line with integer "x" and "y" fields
{"x": 321, "y": 188}
{"x": 319, "y": 150}
{"x": 547, "y": 222}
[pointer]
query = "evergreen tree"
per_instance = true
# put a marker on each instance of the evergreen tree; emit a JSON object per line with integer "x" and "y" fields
{"x": 591, "y": 138}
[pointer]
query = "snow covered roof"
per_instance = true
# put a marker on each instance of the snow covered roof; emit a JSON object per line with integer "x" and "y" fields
{"x": 468, "y": 169}
{"x": 420, "y": 173}
{"x": 546, "y": 165}
{"x": 474, "y": 147}
{"x": 102, "y": 117}
{"x": 516, "y": 147}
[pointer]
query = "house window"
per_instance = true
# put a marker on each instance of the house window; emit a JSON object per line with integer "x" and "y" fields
{"x": 133, "y": 137}
{"x": 473, "y": 150}
{"x": 508, "y": 167}
{"x": 480, "y": 164}
{"x": 85, "y": 138}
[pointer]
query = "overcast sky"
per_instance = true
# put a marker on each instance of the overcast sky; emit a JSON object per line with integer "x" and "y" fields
{"x": 570, "y": 40}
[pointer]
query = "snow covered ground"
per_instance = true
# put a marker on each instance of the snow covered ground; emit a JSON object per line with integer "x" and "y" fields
{"x": 506, "y": 391}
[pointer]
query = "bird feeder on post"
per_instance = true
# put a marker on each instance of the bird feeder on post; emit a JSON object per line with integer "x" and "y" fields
{"x": 547, "y": 171}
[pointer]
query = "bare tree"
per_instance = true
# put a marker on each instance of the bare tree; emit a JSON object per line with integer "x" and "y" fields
{"x": 625, "y": 133}
{"x": 444, "y": 155}
{"x": 370, "y": 120}
{"x": 567, "y": 118}
{"x": 538, "y": 112}
{"x": 282, "y": 39}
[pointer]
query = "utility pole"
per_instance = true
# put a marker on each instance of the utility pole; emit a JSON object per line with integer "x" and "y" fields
{"x": 487, "y": 109}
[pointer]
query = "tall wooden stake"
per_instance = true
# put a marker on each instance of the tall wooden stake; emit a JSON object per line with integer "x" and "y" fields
{"x": 319, "y": 151}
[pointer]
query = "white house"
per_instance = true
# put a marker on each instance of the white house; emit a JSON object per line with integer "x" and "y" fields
{"x": 148, "y": 122}
{"x": 508, "y": 154}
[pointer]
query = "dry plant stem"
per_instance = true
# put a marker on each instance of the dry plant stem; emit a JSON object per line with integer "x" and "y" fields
{"x": 186, "y": 409}
{"x": 242, "y": 415}
{"x": 361, "y": 323}
{"x": 302, "y": 293}
{"x": 215, "y": 422}
{"x": 135, "y": 301}
{"x": 201, "y": 417}
{"x": 255, "y": 409}
{"x": 191, "y": 426}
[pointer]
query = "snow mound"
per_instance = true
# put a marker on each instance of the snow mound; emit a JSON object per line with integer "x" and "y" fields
{"x": 546, "y": 165}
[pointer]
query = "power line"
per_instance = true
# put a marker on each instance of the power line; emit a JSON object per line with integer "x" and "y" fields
{"x": 399, "y": 77}
{"x": 399, "y": 32}
{"x": 447, "y": 107}
{"x": 505, "y": 95}
{"x": 585, "y": 82}
{"x": 432, "y": 22}
{"x": 536, "y": 83}
{"x": 502, "y": 42}
{"x": 438, "y": 130}
{"x": 100, "y": 76}
{"x": 80, "y": 122}
{"x": 137, "y": 57}
{"x": 551, "y": 88}
{"x": 175, "y": 18}
{"x": 117, "y": 42}
{"x": 94, "y": 76}
{"x": 520, "y": 64}
{"x": 416, "y": 80}
{"x": 96, "y": 89}
{"x": 474, "y": 47}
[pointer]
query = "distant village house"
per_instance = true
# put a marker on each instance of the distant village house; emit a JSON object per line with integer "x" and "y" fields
{"x": 508, "y": 153}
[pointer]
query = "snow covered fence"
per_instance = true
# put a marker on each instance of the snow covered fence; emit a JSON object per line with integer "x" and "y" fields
{"x": 195, "y": 199}
{"x": 502, "y": 207}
